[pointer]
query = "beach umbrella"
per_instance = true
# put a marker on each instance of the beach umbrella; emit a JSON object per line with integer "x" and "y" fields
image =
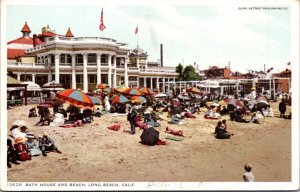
{"x": 194, "y": 90}
{"x": 96, "y": 100}
{"x": 119, "y": 99}
{"x": 233, "y": 101}
{"x": 53, "y": 86}
{"x": 76, "y": 98}
{"x": 146, "y": 91}
{"x": 121, "y": 88}
{"x": 160, "y": 95}
{"x": 102, "y": 86}
{"x": 109, "y": 90}
{"x": 133, "y": 91}
{"x": 261, "y": 98}
{"x": 183, "y": 98}
{"x": 150, "y": 136}
{"x": 138, "y": 99}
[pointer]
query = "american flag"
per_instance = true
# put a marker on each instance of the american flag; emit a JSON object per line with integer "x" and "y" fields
{"x": 102, "y": 26}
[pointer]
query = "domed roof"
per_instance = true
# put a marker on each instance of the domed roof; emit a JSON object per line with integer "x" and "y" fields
{"x": 138, "y": 50}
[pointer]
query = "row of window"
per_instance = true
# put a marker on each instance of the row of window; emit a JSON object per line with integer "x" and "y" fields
{"x": 67, "y": 59}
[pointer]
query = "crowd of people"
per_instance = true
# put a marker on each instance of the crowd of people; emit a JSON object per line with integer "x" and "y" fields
{"x": 22, "y": 144}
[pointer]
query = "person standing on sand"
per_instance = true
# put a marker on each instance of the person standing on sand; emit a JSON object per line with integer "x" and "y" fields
{"x": 248, "y": 175}
{"x": 282, "y": 108}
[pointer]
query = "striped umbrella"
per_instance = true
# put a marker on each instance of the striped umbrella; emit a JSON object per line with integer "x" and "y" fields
{"x": 109, "y": 90}
{"x": 102, "y": 86}
{"x": 121, "y": 88}
{"x": 76, "y": 98}
{"x": 120, "y": 99}
{"x": 133, "y": 91}
{"x": 138, "y": 99}
{"x": 194, "y": 90}
{"x": 96, "y": 100}
{"x": 234, "y": 102}
{"x": 146, "y": 91}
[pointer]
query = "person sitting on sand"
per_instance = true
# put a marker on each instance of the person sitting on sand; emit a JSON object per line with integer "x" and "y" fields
{"x": 77, "y": 123}
{"x": 174, "y": 132}
{"x": 32, "y": 112}
{"x": 47, "y": 144}
{"x": 32, "y": 146}
{"x": 23, "y": 152}
{"x": 248, "y": 175}
{"x": 97, "y": 113}
{"x": 224, "y": 111}
{"x": 12, "y": 154}
{"x": 221, "y": 133}
{"x": 210, "y": 114}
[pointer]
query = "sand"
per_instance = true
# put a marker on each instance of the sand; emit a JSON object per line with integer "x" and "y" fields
{"x": 94, "y": 153}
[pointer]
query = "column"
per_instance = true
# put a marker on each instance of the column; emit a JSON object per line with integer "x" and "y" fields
{"x": 180, "y": 87}
{"x": 115, "y": 71}
{"x": 274, "y": 88}
{"x": 164, "y": 85}
{"x": 126, "y": 72}
{"x": 49, "y": 68}
{"x": 270, "y": 86}
{"x": 237, "y": 86}
{"x": 168, "y": 84}
{"x": 73, "y": 82}
{"x": 145, "y": 82}
{"x": 18, "y": 76}
{"x": 157, "y": 83}
{"x": 222, "y": 91}
{"x": 151, "y": 83}
{"x": 85, "y": 76}
{"x": 56, "y": 67}
{"x": 33, "y": 78}
{"x": 109, "y": 70}
{"x": 98, "y": 68}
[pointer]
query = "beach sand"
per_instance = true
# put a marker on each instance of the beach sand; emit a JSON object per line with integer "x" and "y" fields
{"x": 94, "y": 153}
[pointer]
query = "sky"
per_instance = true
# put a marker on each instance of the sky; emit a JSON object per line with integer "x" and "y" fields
{"x": 208, "y": 35}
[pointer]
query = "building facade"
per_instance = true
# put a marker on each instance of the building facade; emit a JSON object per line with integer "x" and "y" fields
{"x": 83, "y": 62}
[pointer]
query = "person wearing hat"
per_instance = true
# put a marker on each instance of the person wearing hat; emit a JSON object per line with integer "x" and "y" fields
{"x": 12, "y": 155}
{"x": 32, "y": 146}
{"x": 46, "y": 143}
{"x": 32, "y": 112}
{"x": 248, "y": 175}
{"x": 23, "y": 153}
{"x": 18, "y": 131}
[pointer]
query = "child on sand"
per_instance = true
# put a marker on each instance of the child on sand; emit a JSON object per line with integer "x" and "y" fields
{"x": 174, "y": 132}
{"x": 248, "y": 175}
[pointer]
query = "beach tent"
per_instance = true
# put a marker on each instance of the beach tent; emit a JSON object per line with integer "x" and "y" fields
{"x": 52, "y": 86}
{"x": 31, "y": 86}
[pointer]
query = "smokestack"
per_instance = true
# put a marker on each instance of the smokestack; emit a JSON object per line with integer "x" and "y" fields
{"x": 161, "y": 55}
{"x": 34, "y": 40}
{"x": 229, "y": 64}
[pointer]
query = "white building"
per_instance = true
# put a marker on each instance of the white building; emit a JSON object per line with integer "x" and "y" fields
{"x": 83, "y": 62}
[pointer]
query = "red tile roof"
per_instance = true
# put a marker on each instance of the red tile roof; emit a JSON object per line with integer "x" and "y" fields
{"x": 13, "y": 53}
{"x": 69, "y": 33}
{"x": 23, "y": 40}
{"x": 47, "y": 34}
{"x": 25, "y": 28}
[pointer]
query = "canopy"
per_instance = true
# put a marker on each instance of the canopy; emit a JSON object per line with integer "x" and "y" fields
{"x": 52, "y": 86}
{"x": 133, "y": 91}
{"x": 11, "y": 80}
{"x": 102, "y": 86}
{"x": 160, "y": 95}
{"x": 121, "y": 88}
{"x": 76, "y": 98}
{"x": 146, "y": 91}
{"x": 109, "y": 90}
{"x": 138, "y": 99}
{"x": 31, "y": 86}
{"x": 119, "y": 99}
{"x": 96, "y": 100}
{"x": 234, "y": 102}
{"x": 194, "y": 90}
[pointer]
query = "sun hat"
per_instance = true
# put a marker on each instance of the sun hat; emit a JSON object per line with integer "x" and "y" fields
{"x": 29, "y": 135}
{"x": 45, "y": 134}
{"x": 248, "y": 166}
{"x": 20, "y": 140}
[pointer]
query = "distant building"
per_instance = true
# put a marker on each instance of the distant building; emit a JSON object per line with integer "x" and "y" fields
{"x": 215, "y": 72}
